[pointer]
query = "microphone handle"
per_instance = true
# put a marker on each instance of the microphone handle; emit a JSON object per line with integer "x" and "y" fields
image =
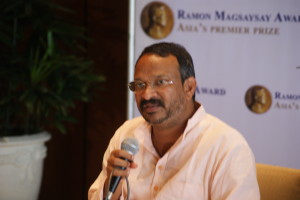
{"x": 114, "y": 182}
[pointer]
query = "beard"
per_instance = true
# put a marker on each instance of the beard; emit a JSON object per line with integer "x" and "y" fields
{"x": 164, "y": 114}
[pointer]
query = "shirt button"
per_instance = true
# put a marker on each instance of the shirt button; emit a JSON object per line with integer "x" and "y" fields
{"x": 156, "y": 188}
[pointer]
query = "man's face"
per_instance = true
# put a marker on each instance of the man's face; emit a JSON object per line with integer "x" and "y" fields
{"x": 159, "y": 105}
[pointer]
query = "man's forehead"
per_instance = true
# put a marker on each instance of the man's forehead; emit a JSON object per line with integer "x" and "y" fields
{"x": 154, "y": 66}
{"x": 156, "y": 59}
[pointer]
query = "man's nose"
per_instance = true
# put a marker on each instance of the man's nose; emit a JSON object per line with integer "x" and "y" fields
{"x": 148, "y": 92}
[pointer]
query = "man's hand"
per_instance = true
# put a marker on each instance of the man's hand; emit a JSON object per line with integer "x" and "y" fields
{"x": 115, "y": 163}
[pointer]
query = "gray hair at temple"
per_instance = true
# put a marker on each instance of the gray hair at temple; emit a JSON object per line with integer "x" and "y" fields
{"x": 184, "y": 59}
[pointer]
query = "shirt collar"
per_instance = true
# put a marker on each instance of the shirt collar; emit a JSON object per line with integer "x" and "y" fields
{"x": 195, "y": 119}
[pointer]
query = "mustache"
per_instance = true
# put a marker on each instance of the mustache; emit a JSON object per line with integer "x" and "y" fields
{"x": 152, "y": 101}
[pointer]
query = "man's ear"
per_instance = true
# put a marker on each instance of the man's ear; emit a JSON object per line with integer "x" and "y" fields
{"x": 190, "y": 85}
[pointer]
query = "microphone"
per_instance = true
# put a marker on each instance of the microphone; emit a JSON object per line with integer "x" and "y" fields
{"x": 130, "y": 145}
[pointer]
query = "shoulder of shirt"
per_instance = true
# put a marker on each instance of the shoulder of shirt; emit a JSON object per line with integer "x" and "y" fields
{"x": 127, "y": 129}
{"x": 133, "y": 122}
{"x": 224, "y": 130}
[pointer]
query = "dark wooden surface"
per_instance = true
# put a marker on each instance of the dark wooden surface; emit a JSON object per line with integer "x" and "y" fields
{"x": 74, "y": 160}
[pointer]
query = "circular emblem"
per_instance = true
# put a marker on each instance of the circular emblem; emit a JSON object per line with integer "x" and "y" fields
{"x": 157, "y": 20}
{"x": 258, "y": 99}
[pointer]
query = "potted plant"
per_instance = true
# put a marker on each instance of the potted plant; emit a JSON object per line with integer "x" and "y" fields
{"x": 42, "y": 76}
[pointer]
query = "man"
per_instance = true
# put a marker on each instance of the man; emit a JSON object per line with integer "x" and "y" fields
{"x": 185, "y": 153}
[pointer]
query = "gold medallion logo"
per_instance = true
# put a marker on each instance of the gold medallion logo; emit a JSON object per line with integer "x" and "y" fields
{"x": 157, "y": 20}
{"x": 258, "y": 99}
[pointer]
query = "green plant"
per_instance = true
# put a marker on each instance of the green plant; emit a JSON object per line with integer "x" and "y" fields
{"x": 43, "y": 72}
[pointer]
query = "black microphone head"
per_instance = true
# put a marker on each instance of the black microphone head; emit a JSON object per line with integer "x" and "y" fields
{"x": 130, "y": 145}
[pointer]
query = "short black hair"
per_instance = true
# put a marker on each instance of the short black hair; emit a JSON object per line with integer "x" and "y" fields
{"x": 164, "y": 49}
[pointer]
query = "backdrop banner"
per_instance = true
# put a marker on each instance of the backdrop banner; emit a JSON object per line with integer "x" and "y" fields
{"x": 247, "y": 60}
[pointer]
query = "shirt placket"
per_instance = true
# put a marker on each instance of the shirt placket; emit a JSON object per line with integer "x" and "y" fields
{"x": 157, "y": 182}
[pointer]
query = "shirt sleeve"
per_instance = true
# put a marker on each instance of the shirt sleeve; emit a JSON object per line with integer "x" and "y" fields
{"x": 235, "y": 176}
{"x": 96, "y": 190}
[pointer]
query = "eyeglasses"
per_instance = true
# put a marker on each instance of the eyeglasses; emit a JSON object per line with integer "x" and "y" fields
{"x": 138, "y": 86}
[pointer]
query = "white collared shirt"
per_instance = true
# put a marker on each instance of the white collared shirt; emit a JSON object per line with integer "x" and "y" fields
{"x": 210, "y": 160}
